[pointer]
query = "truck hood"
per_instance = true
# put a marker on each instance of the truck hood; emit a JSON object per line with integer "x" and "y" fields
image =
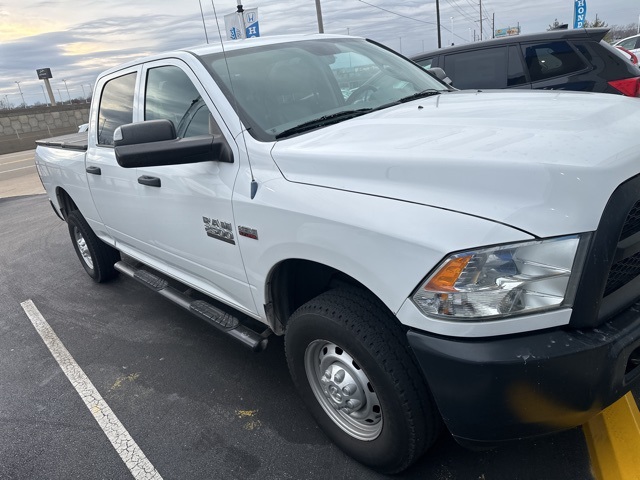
{"x": 542, "y": 162}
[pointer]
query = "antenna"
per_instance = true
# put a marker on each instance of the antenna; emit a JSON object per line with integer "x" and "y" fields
{"x": 254, "y": 184}
{"x": 204, "y": 26}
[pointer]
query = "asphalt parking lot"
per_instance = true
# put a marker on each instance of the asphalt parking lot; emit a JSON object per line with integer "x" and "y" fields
{"x": 197, "y": 404}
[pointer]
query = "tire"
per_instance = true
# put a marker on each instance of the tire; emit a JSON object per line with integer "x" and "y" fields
{"x": 392, "y": 419}
{"x": 96, "y": 257}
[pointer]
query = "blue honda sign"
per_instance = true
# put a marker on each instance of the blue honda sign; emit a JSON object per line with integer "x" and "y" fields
{"x": 243, "y": 24}
{"x": 251, "y": 24}
{"x": 579, "y": 13}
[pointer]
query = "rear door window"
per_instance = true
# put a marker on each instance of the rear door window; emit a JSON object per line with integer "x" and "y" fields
{"x": 116, "y": 106}
{"x": 553, "y": 59}
{"x": 486, "y": 68}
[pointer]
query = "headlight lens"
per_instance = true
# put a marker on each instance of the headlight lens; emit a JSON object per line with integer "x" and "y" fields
{"x": 506, "y": 280}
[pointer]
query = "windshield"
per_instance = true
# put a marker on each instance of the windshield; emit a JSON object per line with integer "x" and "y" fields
{"x": 279, "y": 87}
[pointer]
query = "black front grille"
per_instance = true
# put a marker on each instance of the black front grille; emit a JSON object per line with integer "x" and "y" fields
{"x": 632, "y": 222}
{"x": 610, "y": 279}
{"x": 622, "y": 273}
{"x": 626, "y": 269}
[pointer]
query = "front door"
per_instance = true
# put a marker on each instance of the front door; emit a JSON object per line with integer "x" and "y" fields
{"x": 186, "y": 223}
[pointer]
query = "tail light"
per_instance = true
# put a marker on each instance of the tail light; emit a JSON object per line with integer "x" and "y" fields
{"x": 629, "y": 86}
{"x": 634, "y": 58}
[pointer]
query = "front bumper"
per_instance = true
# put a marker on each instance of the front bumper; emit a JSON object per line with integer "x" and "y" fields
{"x": 490, "y": 390}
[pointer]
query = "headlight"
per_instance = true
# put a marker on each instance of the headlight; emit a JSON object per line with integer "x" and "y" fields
{"x": 496, "y": 282}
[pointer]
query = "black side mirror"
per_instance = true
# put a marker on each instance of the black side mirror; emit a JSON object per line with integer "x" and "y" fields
{"x": 153, "y": 143}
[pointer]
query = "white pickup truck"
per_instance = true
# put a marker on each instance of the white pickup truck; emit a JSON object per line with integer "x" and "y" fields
{"x": 429, "y": 255}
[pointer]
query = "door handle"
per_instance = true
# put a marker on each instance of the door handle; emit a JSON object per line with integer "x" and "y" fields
{"x": 93, "y": 170}
{"x": 149, "y": 181}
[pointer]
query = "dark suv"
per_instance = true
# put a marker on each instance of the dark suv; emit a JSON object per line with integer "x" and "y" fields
{"x": 562, "y": 59}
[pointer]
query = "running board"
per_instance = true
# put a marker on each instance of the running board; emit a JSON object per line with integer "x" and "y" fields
{"x": 223, "y": 321}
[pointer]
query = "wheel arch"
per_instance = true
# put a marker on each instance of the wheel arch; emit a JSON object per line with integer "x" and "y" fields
{"x": 65, "y": 202}
{"x": 293, "y": 282}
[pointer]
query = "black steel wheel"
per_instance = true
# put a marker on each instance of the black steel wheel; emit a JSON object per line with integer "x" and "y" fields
{"x": 96, "y": 257}
{"x": 352, "y": 365}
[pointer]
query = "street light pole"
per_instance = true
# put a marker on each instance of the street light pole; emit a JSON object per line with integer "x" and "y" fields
{"x": 44, "y": 95}
{"x": 451, "y": 42}
{"x": 24, "y": 104}
{"x": 65, "y": 86}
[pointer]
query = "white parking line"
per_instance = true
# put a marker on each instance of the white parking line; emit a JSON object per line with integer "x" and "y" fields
{"x": 16, "y": 161}
{"x": 25, "y": 153}
{"x": 16, "y": 169}
{"x": 133, "y": 457}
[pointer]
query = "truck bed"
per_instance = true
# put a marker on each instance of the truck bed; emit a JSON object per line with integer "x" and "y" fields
{"x": 73, "y": 141}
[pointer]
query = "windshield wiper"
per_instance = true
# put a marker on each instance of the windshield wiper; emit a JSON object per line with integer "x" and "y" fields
{"x": 414, "y": 96}
{"x": 323, "y": 121}
{"x": 423, "y": 94}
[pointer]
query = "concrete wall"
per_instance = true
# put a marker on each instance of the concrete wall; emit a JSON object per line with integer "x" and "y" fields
{"x": 20, "y": 128}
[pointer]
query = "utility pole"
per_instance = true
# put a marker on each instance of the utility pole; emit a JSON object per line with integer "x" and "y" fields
{"x": 480, "y": 20}
{"x": 319, "y": 14}
{"x": 438, "y": 22}
{"x": 493, "y": 26}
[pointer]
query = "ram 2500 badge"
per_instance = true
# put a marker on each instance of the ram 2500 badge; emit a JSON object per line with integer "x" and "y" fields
{"x": 430, "y": 256}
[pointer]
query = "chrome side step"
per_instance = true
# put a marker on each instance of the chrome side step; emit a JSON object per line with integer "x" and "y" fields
{"x": 223, "y": 321}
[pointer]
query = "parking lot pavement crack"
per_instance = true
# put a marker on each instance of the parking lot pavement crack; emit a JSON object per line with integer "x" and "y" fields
{"x": 129, "y": 451}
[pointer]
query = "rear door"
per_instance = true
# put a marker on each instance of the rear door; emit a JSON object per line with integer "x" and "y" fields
{"x": 113, "y": 188}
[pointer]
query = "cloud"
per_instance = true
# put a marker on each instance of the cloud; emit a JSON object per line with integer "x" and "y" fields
{"x": 98, "y": 34}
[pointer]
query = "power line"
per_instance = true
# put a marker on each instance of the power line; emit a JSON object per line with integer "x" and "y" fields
{"x": 413, "y": 18}
{"x": 396, "y": 13}
{"x": 464, "y": 14}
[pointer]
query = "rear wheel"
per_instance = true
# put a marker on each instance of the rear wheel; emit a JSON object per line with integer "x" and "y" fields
{"x": 96, "y": 257}
{"x": 351, "y": 363}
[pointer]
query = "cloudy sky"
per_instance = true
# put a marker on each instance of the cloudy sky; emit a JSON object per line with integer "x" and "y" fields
{"x": 78, "y": 39}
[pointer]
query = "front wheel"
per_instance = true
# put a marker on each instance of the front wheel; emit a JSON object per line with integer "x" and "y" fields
{"x": 96, "y": 257}
{"x": 352, "y": 365}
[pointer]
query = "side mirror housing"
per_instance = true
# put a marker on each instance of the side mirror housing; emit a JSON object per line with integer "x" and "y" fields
{"x": 440, "y": 74}
{"x": 153, "y": 143}
{"x": 144, "y": 132}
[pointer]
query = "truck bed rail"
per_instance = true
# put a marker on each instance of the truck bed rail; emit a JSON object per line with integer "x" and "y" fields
{"x": 73, "y": 141}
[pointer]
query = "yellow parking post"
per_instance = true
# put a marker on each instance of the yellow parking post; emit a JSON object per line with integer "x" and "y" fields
{"x": 613, "y": 438}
